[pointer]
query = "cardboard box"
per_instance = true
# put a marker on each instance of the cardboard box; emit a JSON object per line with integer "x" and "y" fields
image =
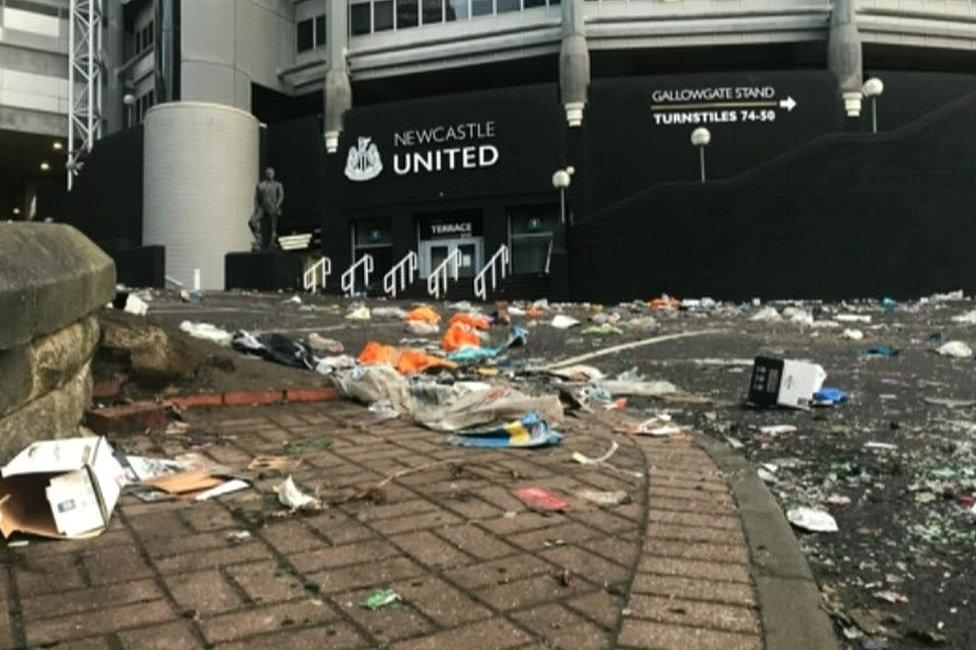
{"x": 60, "y": 488}
{"x": 784, "y": 382}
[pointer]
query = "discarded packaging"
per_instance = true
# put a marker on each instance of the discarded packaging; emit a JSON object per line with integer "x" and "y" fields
{"x": 424, "y": 315}
{"x": 602, "y": 498}
{"x": 562, "y": 322}
{"x": 541, "y": 500}
{"x": 784, "y": 382}
{"x": 422, "y": 328}
{"x": 956, "y": 349}
{"x": 381, "y": 598}
{"x": 829, "y": 397}
{"x": 206, "y": 332}
{"x": 529, "y": 431}
{"x": 605, "y": 329}
{"x": 816, "y": 521}
{"x": 291, "y": 496}
{"x": 405, "y": 360}
{"x": 777, "y": 429}
{"x": 60, "y": 488}
{"x": 321, "y": 344}
{"x": 360, "y": 313}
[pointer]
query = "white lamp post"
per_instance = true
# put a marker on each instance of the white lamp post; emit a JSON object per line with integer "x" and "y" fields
{"x": 700, "y": 138}
{"x": 560, "y": 180}
{"x": 873, "y": 88}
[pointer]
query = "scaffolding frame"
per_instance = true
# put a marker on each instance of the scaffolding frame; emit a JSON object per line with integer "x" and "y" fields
{"x": 85, "y": 69}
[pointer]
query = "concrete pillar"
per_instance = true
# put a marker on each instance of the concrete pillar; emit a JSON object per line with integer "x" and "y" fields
{"x": 574, "y": 62}
{"x": 337, "y": 90}
{"x": 844, "y": 54}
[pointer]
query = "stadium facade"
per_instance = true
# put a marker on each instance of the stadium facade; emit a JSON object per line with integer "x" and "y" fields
{"x": 561, "y": 131}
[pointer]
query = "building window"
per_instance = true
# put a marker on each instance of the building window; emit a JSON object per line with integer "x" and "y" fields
{"x": 531, "y": 230}
{"x": 136, "y": 113}
{"x": 33, "y": 17}
{"x": 457, "y": 10}
{"x": 406, "y": 13}
{"x": 382, "y": 15}
{"x": 310, "y": 33}
{"x": 433, "y": 11}
{"x": 504, "y": 6}
{"x": 305, "y": 37}
{"x": 359, "y": 19}
{"x": 482, "y": 7}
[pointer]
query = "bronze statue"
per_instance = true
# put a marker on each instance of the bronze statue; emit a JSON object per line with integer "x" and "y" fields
{"x": 268, "y": 197}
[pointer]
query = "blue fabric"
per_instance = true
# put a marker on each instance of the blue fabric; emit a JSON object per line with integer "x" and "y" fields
{"x": 528, "y": 431}
{"x": 829, "y": 397}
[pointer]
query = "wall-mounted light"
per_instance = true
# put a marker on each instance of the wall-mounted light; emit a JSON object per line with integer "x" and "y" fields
{"x": 16, "y": 211}
{"x": 45, "y": 166}
{"x": 57, "y": 146}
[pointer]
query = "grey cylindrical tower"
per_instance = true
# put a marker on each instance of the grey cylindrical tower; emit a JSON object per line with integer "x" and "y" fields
{"x": 199, "y": 173}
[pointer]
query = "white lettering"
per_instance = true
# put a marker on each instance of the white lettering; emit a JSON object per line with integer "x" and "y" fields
{"x": 483, "y": 155}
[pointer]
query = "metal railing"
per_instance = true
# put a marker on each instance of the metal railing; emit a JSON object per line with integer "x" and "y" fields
{"x": 481, "y": 280}
{"x": 401, "y": 275}
{"x": 437, "y": 280}
{"x": 348, "y": 280}
{"x": 321, "y": 269}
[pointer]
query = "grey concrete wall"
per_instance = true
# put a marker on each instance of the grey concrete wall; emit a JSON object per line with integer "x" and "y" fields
{"x": 52, "y": 281}
{"x": 228, "y": 44}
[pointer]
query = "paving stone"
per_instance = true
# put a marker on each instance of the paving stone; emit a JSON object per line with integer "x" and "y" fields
{"x": 160, "y": 637}
{"x": 692, "y": 612}
{"x": 363, "y": 575}
{"x": 694, "y": 588}
{"x": 204, "y": 593}
{"x": 102, "y": 621}
{"x": 235, "y": 625}
{"x": 429, "y": 550}
{"x": 484, "y": 574}
{"x": 496, "y": 634}
{"x": 337, "y": 556}
{"x": 212, "y": 558}
{"x": 398, "y": 620}
{"x": 441, "y": 602}
{"x": 339, "y": 528}
{"x": 437, "y": 519}
{"x": 122, "y": 563}
{"x": 694, "y": 569}
{"x": 527, "y": 592}
{"x": 587, "y": 565}
{"x": 86, "y": 599}
{"x": 291, "y": 537}
{"x": 334, "y": 636}
{"x": 643, "y": 634}
{"x": 562, "y": 628}
{"x": 475, "y": 541}
{"x": 598, "y": 606}
{"x": 266, "y": 582}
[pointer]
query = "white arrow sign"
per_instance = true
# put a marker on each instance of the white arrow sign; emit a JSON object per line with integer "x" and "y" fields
{"x": 789, "y": 103}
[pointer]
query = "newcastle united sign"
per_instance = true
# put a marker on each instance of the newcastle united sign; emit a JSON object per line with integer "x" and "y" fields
{"x": 426, "y": 150}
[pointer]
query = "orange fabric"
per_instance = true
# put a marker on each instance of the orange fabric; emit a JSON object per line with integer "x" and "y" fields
{"x": 458, "y": 336}
{"x": 471, "y": 320}
{"x": 425, "y": 314}
{"x": 665, "y": 302}
{"x": 534, "y": 312}
{"x": 407, "y": 362}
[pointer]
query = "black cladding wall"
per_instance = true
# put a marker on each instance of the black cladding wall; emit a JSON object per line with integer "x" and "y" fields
{"x": 848, "y": 215}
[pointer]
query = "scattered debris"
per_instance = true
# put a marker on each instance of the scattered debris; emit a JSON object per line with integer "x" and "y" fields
{"x": 206, "y": 332}
{"x": 604, "y": 498}
{"x": 541, "y": 500}
{"x": 381, "y": 598}
{"x": 290, "y": 496}
{"x": 812, "y": 520}
{"x": 956, "y": 349}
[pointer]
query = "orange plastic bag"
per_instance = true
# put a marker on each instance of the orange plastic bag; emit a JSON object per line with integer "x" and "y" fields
{"x": 475, "y": 321}
{"x": 459, "y": 336}
{"x": 425, "y": 314}
{"x": 413, "y": 361}
{"x": 407, "y": 362}
{"x": 665, "y": 302}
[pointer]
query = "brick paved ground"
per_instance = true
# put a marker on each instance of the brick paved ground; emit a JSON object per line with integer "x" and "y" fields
{"x": 474, "y": 567}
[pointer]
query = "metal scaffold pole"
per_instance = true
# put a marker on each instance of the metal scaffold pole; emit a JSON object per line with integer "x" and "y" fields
{"x": 84, "y": 82}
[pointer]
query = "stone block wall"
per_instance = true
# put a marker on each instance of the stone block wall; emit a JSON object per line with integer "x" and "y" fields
{"x": 53, "y": 280}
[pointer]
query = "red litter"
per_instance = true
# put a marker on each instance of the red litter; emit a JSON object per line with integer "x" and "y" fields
{"x": 539, "y": 499}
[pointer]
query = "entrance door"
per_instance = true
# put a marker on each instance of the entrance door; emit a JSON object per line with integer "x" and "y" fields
{"x": 433, "y": 253}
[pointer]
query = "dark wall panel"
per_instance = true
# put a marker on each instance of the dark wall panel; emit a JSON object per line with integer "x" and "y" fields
{"x": 849, "y": 215}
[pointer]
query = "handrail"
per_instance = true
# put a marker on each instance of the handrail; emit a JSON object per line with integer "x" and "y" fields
{"x": 322, "y": 268}
{"x": 549, "y": 256}
{"x": 174, "y": 282}
{"x": 348, "y": 280}
{"x": 481, "y": 280}
{"x": 396, "y": 278}
{"x": 438, "y": 276}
